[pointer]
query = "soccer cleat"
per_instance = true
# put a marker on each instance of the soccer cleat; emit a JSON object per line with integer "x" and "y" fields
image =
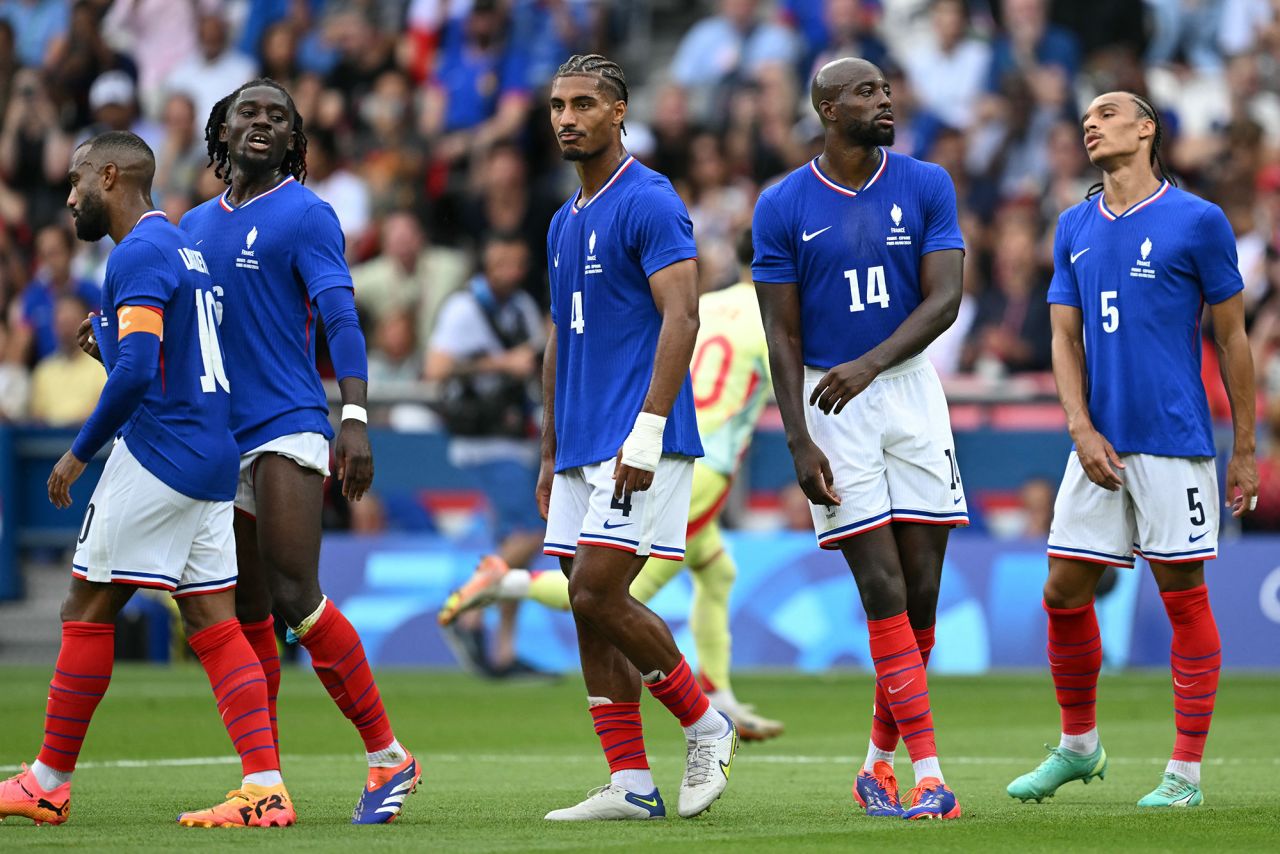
{"x": 613, "y": 803}
{"x": 931, "y": 799}
{"x": 480, "y": 590}
{"x": 706, "y": 770}
{"x": 876, "y": 791}
{"x": 751, "y": 726}
{"x": 1059, "y": 767}
{"x": 384, "y": 794}
{"x": 21, "y": 795}
{"x": 248, "y": 806}
{"x": 1174, "y": 791}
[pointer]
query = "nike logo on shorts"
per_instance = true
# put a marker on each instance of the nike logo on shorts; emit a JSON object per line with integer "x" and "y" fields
{"x": 609, "y": 527}
{"x": 1191, "y": 539}
{"x": 806, "y": 237}
{"x": 1075, "y": 255}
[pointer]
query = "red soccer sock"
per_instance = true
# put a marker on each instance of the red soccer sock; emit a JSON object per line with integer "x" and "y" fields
{"x": 884, "y": 732}
{"x": 262, "y": 637}
{"x": 1196, "y": 660}
{"x": 621, "y": 735}
{"x": 1075, "y": 659}
{"x": 241, "y": 692}
{"x": 339, "y": 660}
{"x": 80, "y": 679}
{"x": 899, "y": 667}
{"x": 680, "y": 693}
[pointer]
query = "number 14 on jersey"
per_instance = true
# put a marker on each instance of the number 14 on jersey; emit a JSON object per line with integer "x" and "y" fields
{"x": 877, "y": 291}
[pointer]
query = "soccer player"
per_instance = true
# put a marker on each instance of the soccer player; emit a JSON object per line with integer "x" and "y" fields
{"x": 619, "y": 438}
{"x": 857, "y": 268}
{"x": 161, "y": 513}
{"x": 730, "y": 386}
{"x": 1133, "y": 267}
{"x": 277, "y": 251}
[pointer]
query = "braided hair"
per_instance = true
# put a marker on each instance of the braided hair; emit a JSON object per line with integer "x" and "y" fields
{"x": 1146, "y": 110}
{"x": 606, "y": 71}
{"x": 295, "y": 159}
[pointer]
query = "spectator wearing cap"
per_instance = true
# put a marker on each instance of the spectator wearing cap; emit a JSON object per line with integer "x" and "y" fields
{"x": 113, "y": 102}
{"x": 214, "y": 70}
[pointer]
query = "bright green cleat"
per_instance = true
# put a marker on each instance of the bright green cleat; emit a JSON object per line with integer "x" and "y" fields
{"x": 1059, "y": 767}
{"x": 1173, "y": 791}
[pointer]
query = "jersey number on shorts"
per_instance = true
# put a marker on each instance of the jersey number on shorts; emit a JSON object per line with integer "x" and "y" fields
{"x": 877, "y": 292}
{"x": 1110, "y": 311}
{"x": 576, "y": 321}
{"x": 955, "y": 472}
{"x": 1195, "y": 506}
{"x": 623, "y": 504}
{"x": 215, "y": 375}
{"x": 88, "y": 520}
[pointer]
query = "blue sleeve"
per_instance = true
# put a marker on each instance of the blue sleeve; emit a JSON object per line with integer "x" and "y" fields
{"x": 942, "y": 229}
{"x": 318, "y": 251}
{"x": 1215, "y": 257}
{"x": 135, "y": 367}
{"x": 663, "y": 230}
{"x": 342, "y": 329}
{"x": 142, "y": 275}
{"x": 1062, "y": 288}
{"x": 775, "y": 259}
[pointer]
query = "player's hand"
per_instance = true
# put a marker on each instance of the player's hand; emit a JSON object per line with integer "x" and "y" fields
{"x": 65, "y": 473}
{"x": 842, "y": 384}
{"x": 355, "y": 459}
{"x": 1242, "y": 484}
{"x": 546, "y": 476}
{"x": 1100, "y": 461}
{"x": 813, "y": 472}
{"x": 85, "y": 336}
{"x": 627, "y": 480}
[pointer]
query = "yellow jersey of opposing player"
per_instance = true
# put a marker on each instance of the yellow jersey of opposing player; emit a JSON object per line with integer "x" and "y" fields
{"x": 730, "y": 374}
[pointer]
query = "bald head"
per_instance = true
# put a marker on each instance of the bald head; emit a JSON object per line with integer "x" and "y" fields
{"x": 851, "y": 96}
{"x": 839, "y": 75}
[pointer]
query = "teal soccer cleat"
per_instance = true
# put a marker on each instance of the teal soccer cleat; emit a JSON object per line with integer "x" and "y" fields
{"x": 1174, "y": 791}
{"x": 1059, "y": 767}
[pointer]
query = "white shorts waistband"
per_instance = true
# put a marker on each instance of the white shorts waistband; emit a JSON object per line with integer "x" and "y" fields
{"x": 906, "y": 366}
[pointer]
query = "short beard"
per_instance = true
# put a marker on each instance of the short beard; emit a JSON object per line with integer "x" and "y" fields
{"x": 867, "y": 134}
{"x": 92, "y": 222}
{"x": 578, "y": 155}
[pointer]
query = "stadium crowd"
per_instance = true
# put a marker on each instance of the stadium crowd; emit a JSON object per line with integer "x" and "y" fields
{"x": 427, "y": 132}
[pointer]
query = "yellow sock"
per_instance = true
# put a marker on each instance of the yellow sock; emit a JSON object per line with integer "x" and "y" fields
{"x": 709, "y": 617}
{"x": 551, "y": 589}
{"x": 653, "y": 576}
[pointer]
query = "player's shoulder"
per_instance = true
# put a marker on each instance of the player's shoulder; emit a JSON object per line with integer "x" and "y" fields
{"x": 794, "y": 185}
{"x": 911, "y": 169}
{"x": 1189, "y": 204}
{"x": 1071, "y": 218}
{"x": 200, "y": 214}
{"x": 643, "y": 182}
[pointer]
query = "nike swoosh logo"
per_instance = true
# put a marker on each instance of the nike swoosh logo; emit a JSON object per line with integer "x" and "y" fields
{"x": 556, "y": 260}
{"x": 609, "y": 527}
{"x": 1075, "y": 255}
{"x": 903, "y": 685}
{"x": 1191, "y": 539}
{"x": 1188, "y": 685}
{"x": 806, "y": 237}
{"x": 648, "y": 802}
{"x": 198, "y": 242}
{"x": 958, "y": 500}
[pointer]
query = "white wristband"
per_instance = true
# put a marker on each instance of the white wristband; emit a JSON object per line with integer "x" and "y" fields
{"x": 643, "y": 448}
{"x": 352, "y": 412}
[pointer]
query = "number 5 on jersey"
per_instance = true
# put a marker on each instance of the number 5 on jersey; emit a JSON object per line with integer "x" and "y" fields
{"x": 215, "y": 375}
{"x": 1110, "y": 311}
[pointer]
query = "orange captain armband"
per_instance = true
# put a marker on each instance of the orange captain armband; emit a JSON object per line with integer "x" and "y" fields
{"x": 140, "y": 318}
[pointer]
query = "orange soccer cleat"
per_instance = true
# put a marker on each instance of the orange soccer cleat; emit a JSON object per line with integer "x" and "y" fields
{"x": 248, "y": 806}
{"x": 21, "y": 795}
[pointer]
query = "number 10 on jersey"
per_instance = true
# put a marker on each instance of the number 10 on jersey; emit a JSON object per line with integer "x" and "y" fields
{"x": 877, "y": 291}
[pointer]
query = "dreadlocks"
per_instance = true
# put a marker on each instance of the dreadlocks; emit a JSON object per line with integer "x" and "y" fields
{"x": 1145, "y": 109}
{"x": 295, "y": 160}
{"x": 606, "y": 71}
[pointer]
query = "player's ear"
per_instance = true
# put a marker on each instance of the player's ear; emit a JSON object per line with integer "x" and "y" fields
{"x": 222, "y": 132}
{"x": 109, "y": 174}
{"x": 619, "y": 112}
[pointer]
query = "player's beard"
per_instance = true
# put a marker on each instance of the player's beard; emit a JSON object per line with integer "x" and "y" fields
{"x": 92, "y": 222}
{"x": 577, "y": 155}
{"x": 867, "y": 134}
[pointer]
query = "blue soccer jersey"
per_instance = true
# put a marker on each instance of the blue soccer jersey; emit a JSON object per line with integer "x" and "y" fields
{"x": 1141, "y": 281}
{"x": 855, "y": 254}
{"x": 600, "y": 257}
{"x": 273, "y": 255}
{"x": 181, "y": 431}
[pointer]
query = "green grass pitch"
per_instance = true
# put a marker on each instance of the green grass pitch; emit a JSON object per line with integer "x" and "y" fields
{"x": 496, "y": 757}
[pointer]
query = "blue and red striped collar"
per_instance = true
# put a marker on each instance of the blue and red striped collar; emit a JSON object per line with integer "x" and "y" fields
{"x": 617, "y": 173}
{"x": 842, "y": 189}
{"x": 226, "y": 206}
{"x": 1149, "y": 200}
{"x": 149, "y": 215}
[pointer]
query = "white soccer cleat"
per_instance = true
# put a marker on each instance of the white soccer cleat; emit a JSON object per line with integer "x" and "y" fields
{"x": 612, "y": 803}
{"x": 706, "y": 770}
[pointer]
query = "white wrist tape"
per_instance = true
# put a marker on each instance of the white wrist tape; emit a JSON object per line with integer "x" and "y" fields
{"x": 643, "y": 447}
{"x": 352, "y": 412}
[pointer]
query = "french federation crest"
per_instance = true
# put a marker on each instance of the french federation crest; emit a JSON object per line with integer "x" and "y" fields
{"x": 895, "y": 213}
{"x": 1146, "y": 248}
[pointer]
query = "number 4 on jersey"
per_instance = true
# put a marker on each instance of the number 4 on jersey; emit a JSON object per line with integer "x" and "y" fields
{"x": 576, "y": 321}
{"x": 877, "y": 291}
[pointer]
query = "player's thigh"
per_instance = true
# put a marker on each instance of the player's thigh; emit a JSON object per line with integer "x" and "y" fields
{"x": 851, "y": 441}
{"x": 1176, "y": 504}
{"x": 290, "y": 500}
{"x": 570, "y": 497}
{"x": 873, "y": 559}
{"x": 253, "y": 588}
{"x": 650, "y": 522}
{"x": 309, "y": 450}
{"x": 1092, "y": 524}
{"x": 920, "y": 455}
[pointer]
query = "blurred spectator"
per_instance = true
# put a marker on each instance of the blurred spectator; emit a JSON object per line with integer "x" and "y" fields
{"x": 159, "y": 35}
{"x": 719, "y": 210}
{"x": 278, "y": 53}
{"x": 388, "y": 148}
{"x": 344, "y": 189}
{"x": 114, "y": 105}
{"x": 214, "y": 70}
{"x": 1037, "y": 496}
{"x": 1267, "y": 516}
{"x": 15, "y": 381}
{"x": 394, "y": 357}
{"x": 1044, "y": 59}
{"x": 9, "y": 65}
{"x": 79, "y": 58}
{"x": 363, "y": 53}
{"x": 1070, "y": 173}
{"x": 672, "y": 128}
{"x": 1007, "y": 152}
{"x": 181, "y": 157}
{"x": 1185, "y": 30}
{"x": 548, "y": 32}
{"x": 1011, "y": 330}
{"x": 37, "y": 25}
{"x": 34, "y": 153}
{"x": 66, "y": 383}
{"x": 948, "y": 73}
{"x": 848, "y": 32}
{"x": 38, "y": 334}
{"x": 410, "y": 273}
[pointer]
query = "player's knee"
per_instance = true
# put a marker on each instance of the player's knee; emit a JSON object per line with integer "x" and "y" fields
{"x": 923, "y": 592}
{"x": 589, "y": 601}
{"x": 1062, "y": 593}
{"x": 295, "y": 600}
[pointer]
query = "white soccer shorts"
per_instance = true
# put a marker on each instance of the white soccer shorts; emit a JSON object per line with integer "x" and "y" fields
{"x": 1166, "y": 511}
{"x": 138, "y": 530}
{"x": 584, "y": 513}
{"x": 891, "y": 453}
{"x": 309, "y": 450}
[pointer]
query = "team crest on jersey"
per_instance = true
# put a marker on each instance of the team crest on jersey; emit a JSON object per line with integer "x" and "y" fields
{"x": 593, "y": 267}
{"x": 897, "y": 232}
{"x": 247, "y": 261}
{"x": 1142, "y": 268}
